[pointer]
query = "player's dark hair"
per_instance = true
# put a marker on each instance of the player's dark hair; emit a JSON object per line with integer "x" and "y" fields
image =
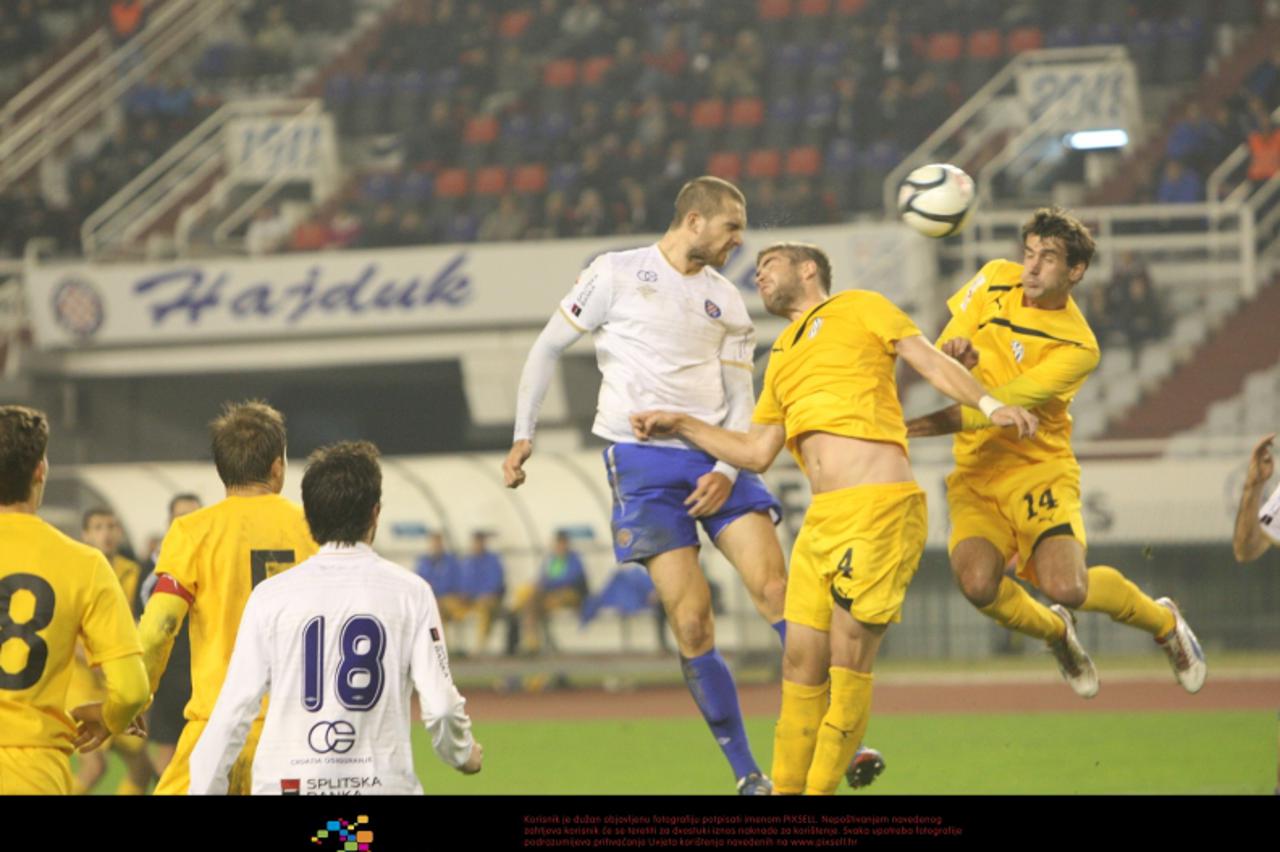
{"x": 178, "y": 498}
{"x": 24, "y": 437}
{"x": 707, "y": 195}
{"x": 95, "y": 512}
{"x": 247, "y": 439}
{"x": 799, "y": 253}
{"x": 340, "y": 489}
{"x": 1055, "y": 223}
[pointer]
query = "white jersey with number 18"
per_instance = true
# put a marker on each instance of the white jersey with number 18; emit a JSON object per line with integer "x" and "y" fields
{"x": 339, "y": 642}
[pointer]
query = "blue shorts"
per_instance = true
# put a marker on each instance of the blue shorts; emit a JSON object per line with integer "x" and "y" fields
{"x": 650, "y": 485}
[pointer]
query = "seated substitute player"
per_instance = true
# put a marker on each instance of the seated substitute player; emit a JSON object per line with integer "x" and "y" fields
{"x": 829, "y": 395}
{"x": 100, "y": 528}
{"x": 478, "y": 586}
{"x": 53, "y": 592}
{"x": 438, "y": 566}
{"x": 1017, "y": 327}
{"x": 1257, "y": 524}
{"x": 209, "y": 563}
{"x": 561, "y": 584}
{"x": 671, "y": 331}
{"x": 340, "y": 642}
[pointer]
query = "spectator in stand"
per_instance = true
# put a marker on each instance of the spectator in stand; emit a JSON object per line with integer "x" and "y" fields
{"x": 267, "y": 232}
{"x": 505, "y": 222}
{"x": 275, "y": 43}
{"x": 1264, "y": 149}
{"x": 311, "y": 235}
{"x": 480, "y": 589}
{"x": 344, "y": 228}
{"x": 1189, "y": 139}
{"x": 556, "y": 219}
{"x": 561, "y": 584}
{"x": 438, "y": 566}
{"x": 1179, "y": 185}
{"x": 590, "y": 217}
{"x": 1098, "y": 311}
{"x": 1144, "y": 321}
{"x": 126, "y": 18}
{"x": 738, "y": 72}
{"x": 580, "y": 26}
{"x": 412, "y": 229}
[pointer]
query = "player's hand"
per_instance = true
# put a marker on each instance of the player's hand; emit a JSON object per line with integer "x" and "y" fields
{"x": 474, "y": 762}
{"x": 91, "y": 730}
{"x": 513, "y": 467}
{"x": 712, "y": 490}
{"x": 138, "y": 727}
{"x": 1018, "y": 417}
{"x": 655, "y": 424}
{"x": 1261, "y": 463}
{"x": 961, "y": 348}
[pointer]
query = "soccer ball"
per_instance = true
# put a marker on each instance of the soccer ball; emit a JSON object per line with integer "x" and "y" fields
{"x": 937, "y": 200}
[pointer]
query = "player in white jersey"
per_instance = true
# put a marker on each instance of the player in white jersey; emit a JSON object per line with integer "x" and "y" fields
{"x": 673, "y": 334}
{"x": 340, "y": 642}
{"x": 1257, "y": 523}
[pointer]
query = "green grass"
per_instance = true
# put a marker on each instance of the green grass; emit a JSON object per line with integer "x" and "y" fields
{"x": 1037, "y": 753}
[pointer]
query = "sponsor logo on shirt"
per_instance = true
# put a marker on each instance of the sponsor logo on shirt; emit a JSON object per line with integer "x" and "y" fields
{"x": 647, "y": 275}
{"x": 813, "y": 330}
{"x": 337, "y": 737}
{"x": 1018, "y": 351}
{"x": 973, "y": 288}
{"x": 584, "y": 295}
{"x": 713, "y": 310}
{"x": 624, "y": 538}
{"x": 576, "y": 310}
{"x": 435, "y": 635}
{"x": 350, "y": 785}
{"x": 290, "y": 786}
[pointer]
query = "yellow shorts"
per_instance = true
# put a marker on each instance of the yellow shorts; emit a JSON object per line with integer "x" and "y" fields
{"x": 1014, "y": 510}
{"x": 860, "y": 544}
{"x": 176, "y": 780}
{"x": 34, "y": 772}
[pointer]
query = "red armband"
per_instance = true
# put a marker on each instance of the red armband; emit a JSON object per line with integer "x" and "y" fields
{"x": 165, "y": 584}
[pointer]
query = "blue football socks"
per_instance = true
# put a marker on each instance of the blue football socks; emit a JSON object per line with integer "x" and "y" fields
{"x": 713, "y": 690}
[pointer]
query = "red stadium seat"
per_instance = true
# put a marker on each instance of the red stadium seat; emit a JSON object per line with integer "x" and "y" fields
{"x": 985, "y": 44}
{"x": 594, "y": 69}
{"x": 452, "y": 183}
{"x": 708, "y": 114}
{"x": 490, "y": 180}
{"x": 764, "y": 163}
{"x": 725, "y": 164}
{"x": 849, "y": 8}
{"x": 774, "y": 10}
{"x": 513, "y": 24}
{"x": 480, "y": 130}
{"x": 804, "y": 162}
{"x": 560, "y": 74}
{"x": 1025, "y": 38}
{"x": 529, "y": 179}
{"x": 944, "y": 47}
{"x": 813, "y": 8}
{"x": 746, "y": 112}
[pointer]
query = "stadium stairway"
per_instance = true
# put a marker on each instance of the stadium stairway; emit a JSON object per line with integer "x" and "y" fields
{"x": 1244, "y": 344}
{"x": 1139, "y": 168}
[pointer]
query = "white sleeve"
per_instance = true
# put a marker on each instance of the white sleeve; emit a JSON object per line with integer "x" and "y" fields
{"x": 737, "y": 355}
{"x": 248, "y": 679}
{"x": 539, "y": 368}
{"x": 587, "y": 305}
{"x": 443, "y": 708}
{"x": 1269, "y": 516}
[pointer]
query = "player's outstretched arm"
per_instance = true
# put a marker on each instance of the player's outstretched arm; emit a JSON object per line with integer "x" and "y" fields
{"x": 951, "y": 378}
{"x": 539, "y": 368}
{"x": 754, "y": 450}
{"x": 127, "y": 694}
{"x": 1248, "y": 541}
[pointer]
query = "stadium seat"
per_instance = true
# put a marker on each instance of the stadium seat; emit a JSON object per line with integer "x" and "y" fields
{"x": 490, "y": 180}
{"x": 517, "y": 141}
{"x": 595, "y": 69}
{"x": 943, "y": 49}
{"x": 452, "y": 183}
{"x": 529, "y": 179}
{"x": 985, "y": 44}
{"x": 849, "y": 8}
{"x": 513, "y": 24}
{"x": 764, "y": 163}
{"x": 708, "y": 114}
{"x": 560, "y": 74}
{"x": 1023, "y": 39}
{"x": 746, "y": 115}
{"x": 417, "y": 187}
{"x": 811, "y": 19}
{"x": 770, "y": 11}
{"x": 805, "y": 161}
{"x": 725, "y": 164}
{"x": 480, "y": 130}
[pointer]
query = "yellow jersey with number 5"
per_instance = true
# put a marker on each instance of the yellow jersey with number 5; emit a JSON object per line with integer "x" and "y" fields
{"x": 53, "y": 591}
{"x": 1026, "y": 356}
{"x": 217, "y": 555}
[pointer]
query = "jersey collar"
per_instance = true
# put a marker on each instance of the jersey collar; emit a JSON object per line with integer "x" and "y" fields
{"x": 347, "y": 549}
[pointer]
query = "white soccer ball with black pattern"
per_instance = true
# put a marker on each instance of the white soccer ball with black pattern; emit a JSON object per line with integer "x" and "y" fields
{"x": 937, "y": 200}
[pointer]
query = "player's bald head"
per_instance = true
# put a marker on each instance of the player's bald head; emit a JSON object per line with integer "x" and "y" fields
{"x": 707, "y": 196}
{"x": 24, "y": 438}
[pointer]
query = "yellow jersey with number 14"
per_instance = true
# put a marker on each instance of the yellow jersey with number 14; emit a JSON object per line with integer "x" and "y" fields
{"x": 1026, "y": 356}
{"x": 53, "y": 591}
{"x": 217, "y": 555}
{"x": 832, "y": 371}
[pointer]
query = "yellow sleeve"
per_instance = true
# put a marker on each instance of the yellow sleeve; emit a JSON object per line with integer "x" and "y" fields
{"x": 768, "y": 412}
{"x": 178, "y": 557}
{"x": 1050, "y": 379}
{"x": 886, "y": 321}
{"x": 966, "y": 305}
{"x": 160, "y": 623}
{"x": 107, "y": 626}
{"x": 128, "y": 691}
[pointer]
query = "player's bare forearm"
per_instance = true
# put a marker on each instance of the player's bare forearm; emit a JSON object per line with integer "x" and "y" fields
{"x": 941, "y": 370}
{"x": 1248, "y": 541}
{"x": 946, "y": 421}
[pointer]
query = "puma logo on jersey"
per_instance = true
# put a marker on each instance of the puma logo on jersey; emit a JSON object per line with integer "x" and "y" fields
{"x": 1018, "y": 351}
{"x": 973, "y": 288}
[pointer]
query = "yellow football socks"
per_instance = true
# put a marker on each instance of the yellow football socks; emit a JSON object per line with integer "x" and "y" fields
{"x": 841, "y": 731}
{"x": 1017, "y": 610}
{"x": 796, "y": 734}
{"x": 1111, "y": 593}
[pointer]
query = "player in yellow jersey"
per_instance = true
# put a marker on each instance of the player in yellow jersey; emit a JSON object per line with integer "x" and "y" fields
{"x": 209, "y": 562}
{"x": 100, "y": 528}
{"x": 53, "y": 591}
{"x": 1017, "y": 327}
{"x": 829, "y": 395}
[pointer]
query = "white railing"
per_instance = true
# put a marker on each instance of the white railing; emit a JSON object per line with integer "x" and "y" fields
{"x": 60, "y": 110}
{"x": 976, "y": 124}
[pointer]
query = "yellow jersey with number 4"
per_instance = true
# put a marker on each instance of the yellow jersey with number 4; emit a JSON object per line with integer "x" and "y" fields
{"x": 832, "y": 371}
{"x": 53, "y": 591}
{"x": 217, "y": 555}
{"x": 1026, "y": 356}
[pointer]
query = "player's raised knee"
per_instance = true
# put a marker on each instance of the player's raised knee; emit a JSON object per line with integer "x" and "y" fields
{"x": 1068, "y": 591}
{"x": 979, "y": 587}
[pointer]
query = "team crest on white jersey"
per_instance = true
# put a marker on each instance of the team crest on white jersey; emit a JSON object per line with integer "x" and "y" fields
{"x": 713, "y": 310}
{"x": 1017, "y": 351}
{"x": 647, "y": 275}
{"x": 813, "y": 329}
